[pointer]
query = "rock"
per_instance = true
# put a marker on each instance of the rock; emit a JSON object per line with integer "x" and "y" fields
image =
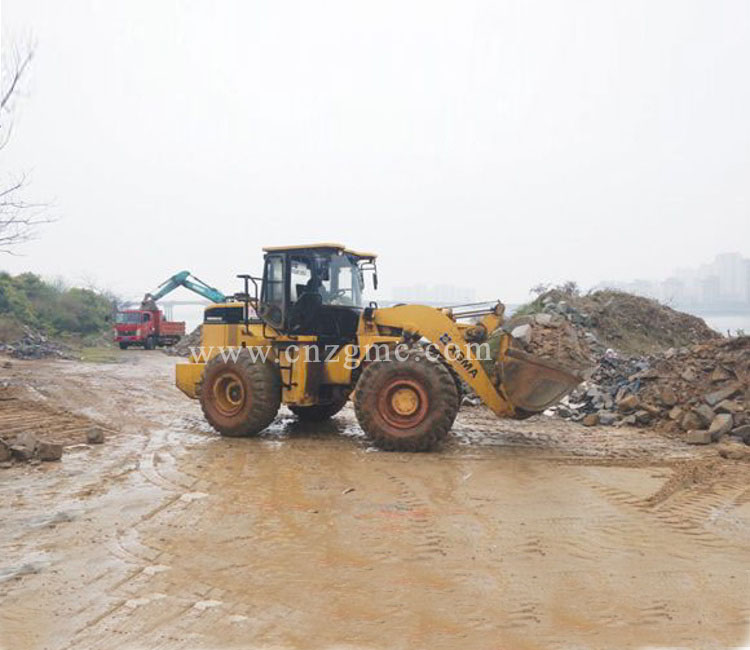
{"x": 607, "y": 418}
{"x": 691, "y": 421}
{"x": 26, "y": 439}
{"x": 719, "y": 374}
{"x": 7, "y": 365}
{"x": 522, "y": 333}
{"x": 642, "y": 417}
{"x": 734, "y": 451}
{"x": 627, "y": 421}
{"x": 742, "y": 432}
{"x": 667, "y": 396}
{"x": 676, "y": 413}
{"x": 543, "y": 319}
{"x": 720, "y": 425}
{"x": 6, "y": 465}
{"x": 705, "y": 413}
{"x": 590, "y": 420}
{"x": 95, "y": 436}
{"x": 712, "y": 399}
{"x": 628, "y": 403}
{"x": 727, "y": 406}
{"x": 19, "y": 452}
{"x": 688, "y": 375}
{"x": 49, "y": 451}
{"x": 653, "y": 410}
{"x": 4, "y": 451}
{"x": 698, "y": 437}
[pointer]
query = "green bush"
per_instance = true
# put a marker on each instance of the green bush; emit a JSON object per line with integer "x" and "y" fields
{"x": 26, "y": 299}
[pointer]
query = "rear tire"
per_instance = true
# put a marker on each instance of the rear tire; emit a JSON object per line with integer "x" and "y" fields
{"x": 239, "y": 398}
{"x": 406, "y": 405}
{"x": 123, "y": 345}
{"x": 318, "y": 412}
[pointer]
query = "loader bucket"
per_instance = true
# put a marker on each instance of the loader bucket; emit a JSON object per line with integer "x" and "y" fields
{"x": 533, "y": 384}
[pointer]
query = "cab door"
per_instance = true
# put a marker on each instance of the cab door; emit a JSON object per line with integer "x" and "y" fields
{"x": 273, "y": 297}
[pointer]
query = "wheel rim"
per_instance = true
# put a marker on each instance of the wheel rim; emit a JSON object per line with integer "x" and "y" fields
{"x": 403, "y": 404}
{"x": 229, "y": 394}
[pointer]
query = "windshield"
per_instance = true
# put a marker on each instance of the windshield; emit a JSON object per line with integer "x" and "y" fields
{"x": 341, "y": 280}
{"x": 128, "y": 317}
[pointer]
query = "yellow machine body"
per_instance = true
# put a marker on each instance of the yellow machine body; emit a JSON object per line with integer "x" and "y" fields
{"x": 527, "y": 384}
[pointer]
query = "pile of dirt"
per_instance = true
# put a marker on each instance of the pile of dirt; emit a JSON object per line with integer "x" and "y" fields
{"x": 182, "y": 348}
{"x": 622, "y": 321}
{"x": 34, "y": 345}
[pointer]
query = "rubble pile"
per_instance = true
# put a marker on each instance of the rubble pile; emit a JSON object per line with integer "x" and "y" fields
{"x": 182, "y": 348}
{"x": 670, "y": 370}
{"x": 26, "y": 447}
{"x": 702, "y": 390}
{"x": 34, "y": 345}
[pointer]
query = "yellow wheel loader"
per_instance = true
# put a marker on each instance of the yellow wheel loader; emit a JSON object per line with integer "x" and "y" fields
{"x": 300, "y": 335}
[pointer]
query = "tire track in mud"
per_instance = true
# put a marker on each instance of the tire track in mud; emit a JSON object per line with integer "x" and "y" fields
{"x": 684, "y": 507}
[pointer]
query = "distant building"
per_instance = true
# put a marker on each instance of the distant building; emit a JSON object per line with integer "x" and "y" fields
{"x": 725, "y": 282}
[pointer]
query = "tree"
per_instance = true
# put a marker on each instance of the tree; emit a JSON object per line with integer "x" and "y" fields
{"x": 18, "y": 217}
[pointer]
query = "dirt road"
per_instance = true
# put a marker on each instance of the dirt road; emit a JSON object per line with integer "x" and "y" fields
{"x": 537, "y": 534}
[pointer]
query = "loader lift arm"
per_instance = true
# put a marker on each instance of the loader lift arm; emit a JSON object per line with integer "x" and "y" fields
{"x": 187, "y": 280}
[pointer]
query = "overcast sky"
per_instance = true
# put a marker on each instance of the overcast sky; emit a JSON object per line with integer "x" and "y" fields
{"x": 486, "y": 144}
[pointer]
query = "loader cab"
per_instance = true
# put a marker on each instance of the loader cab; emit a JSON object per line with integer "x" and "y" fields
{"x": 314, "y": 290}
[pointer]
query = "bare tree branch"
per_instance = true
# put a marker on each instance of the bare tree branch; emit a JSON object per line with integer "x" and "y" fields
{"x": 18, "y": 217}
{"x": 22, "y": 62}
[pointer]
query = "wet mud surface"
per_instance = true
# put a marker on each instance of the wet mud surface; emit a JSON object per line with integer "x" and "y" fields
{"x": 534, "y": 534}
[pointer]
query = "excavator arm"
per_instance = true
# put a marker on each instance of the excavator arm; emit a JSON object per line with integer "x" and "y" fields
{"x": 187, "y": 280}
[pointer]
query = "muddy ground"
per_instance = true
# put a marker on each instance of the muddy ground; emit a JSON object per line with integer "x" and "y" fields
{"x": 538, "y": 534}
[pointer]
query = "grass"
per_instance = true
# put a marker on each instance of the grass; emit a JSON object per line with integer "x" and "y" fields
{"x": 101, "y": 354}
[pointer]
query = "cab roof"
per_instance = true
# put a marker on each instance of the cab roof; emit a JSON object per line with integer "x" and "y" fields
{"x": 325, "y": 246}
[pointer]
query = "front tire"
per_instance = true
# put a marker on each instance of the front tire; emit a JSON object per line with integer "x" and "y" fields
{"x": 406, "y": 405}
{"x": 123, "y": 345}
{"x": 239, "y": 398}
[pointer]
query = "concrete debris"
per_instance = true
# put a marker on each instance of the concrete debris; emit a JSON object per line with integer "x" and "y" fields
{"x": 21, "y": 453}
{"x": 182, "y": 348}
{"x": 705, "y": 413}
{"x": 34, "y": 345}
{"x": 49, "y": 451}
{"x": 522, "y": 333}
{"x": 698, "y": 437}
{"x": 27, "y": 448}
{"x": 721, "y": 424}
{"x": 27, "y": 440}
{"x": 4, "y": 451}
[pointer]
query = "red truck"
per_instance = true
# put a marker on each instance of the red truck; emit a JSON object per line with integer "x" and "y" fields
{"x": 146, "y": 327}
